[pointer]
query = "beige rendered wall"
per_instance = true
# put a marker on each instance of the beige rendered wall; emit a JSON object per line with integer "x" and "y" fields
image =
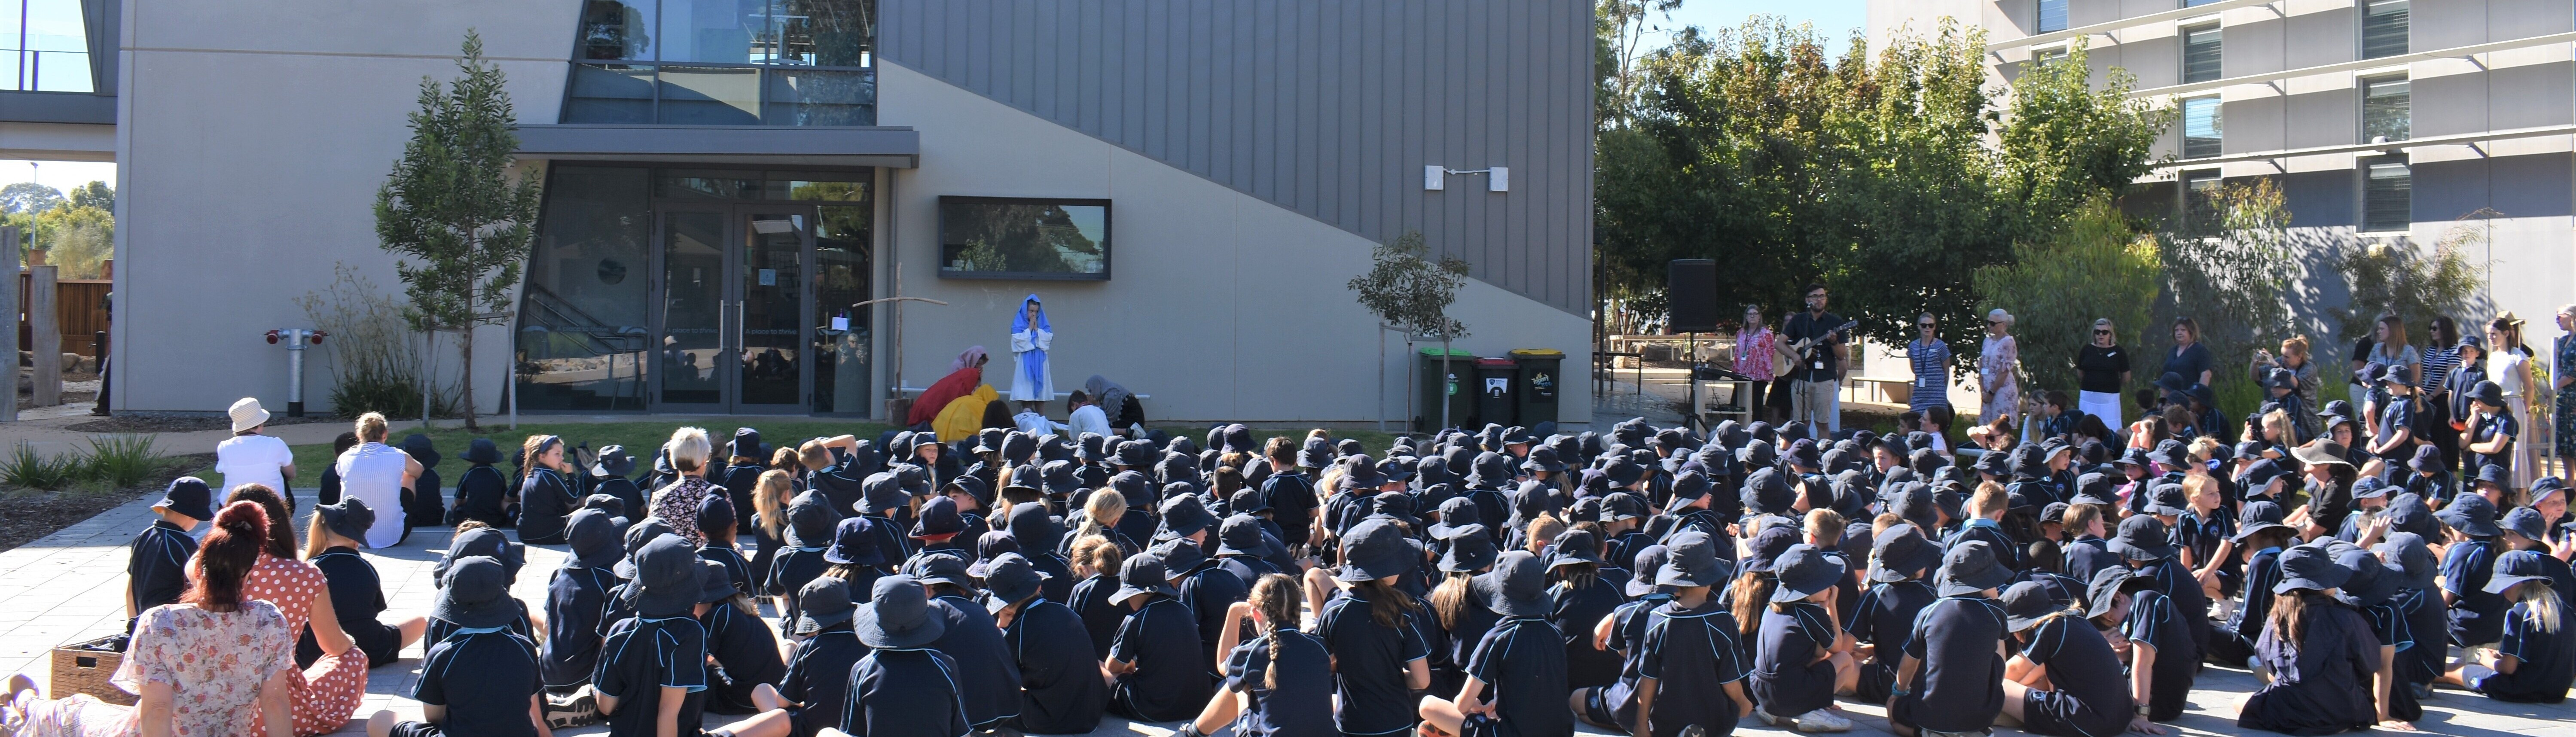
{"x": 251, "y": 145}
{"x": 1220, "y": 306}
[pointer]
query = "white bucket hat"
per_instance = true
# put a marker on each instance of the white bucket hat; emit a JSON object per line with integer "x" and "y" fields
{"x": 247, "y": 414}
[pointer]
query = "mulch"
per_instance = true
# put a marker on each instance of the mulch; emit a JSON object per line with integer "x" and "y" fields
{"x": 182, "y": 423}
{"x": 28, "y": 515}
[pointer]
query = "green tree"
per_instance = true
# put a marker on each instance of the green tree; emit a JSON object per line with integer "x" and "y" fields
{"x": 1409, "y": 291}
{"x": 94, "y": 194}
{"x": 2093, "y": 268}
{"x": 452, "y": 209}
{"x": 2227, "y": 270}
{"x": 79, "y": 238}
{"x": 2387, "y": 280}
{"x": 28, "y": 198}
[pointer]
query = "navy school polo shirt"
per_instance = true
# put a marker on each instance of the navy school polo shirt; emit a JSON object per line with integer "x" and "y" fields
{"x": 736, "y": 569}
{"x": 914, "y": 692}
{"x": 818, "y": 676}
{"x": 2159, "y": 621}
{"x": 2201, "y": 535}
{"x": 2548, "y": 658}
{"x": 1960, "y": 686}
{"x": 159, "y": 564}
{"x": 1059, "y": 585}
{"x": 1522, "y": 662}
{"x": 1058, "y": 670}
{"x": 1886, "y": 616}
{"x": 2087, "y": 556}
{"x": 1575, "y": 612}
{"x": 357, "y": 596}
{"x": 1302, "y": 703}
{"x": 642, "y": 657}
{"x": 744, "y": 647}
{"x": 484, "y": 677}
{"x": 1788, "y": 679}
{"x": 984, "y": 666}
{"x": 2082, "y": 666}
{"x": 575, "y": 601}
{"x": 790, "y": 571}
{"x": 440, "y": 629}
{"x": 1692, "y": 654}
{"x": 1992, "y": 532}
{"x": 1170, "y": 682}
{"x": 1100, "y": 616}
{"x": 1371, "y": 661}
{"x": 2476, "y": 616}
{"x": 2262, "y": 572}
{"x": 1208, "y": 592}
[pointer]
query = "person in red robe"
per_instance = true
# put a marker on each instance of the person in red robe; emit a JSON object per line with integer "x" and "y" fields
{"x": 964, "y": 374}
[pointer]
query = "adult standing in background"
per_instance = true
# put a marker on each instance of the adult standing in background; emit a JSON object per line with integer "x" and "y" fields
{"x": 2301, "y": 363}
{"x": 2356, "y": 390}
{"x": 1815, "y": 343}
{"x": 2434, "y": 363}
{"x": 2189, "y": 359}
{"x": 1032, "y": 383}
{"x": 251, "y": 458}
{"x": 1755, "y": 349}
{"x": 2562, "y": 371}
{"x": 2103, "y": 370}
{"x": 1998, "y": 367}
{"x": 1930, "y": 357}
{"x": 2509, "y": 366}
{"x": 377, "y": 473}
{"x": 2393, "y": 352}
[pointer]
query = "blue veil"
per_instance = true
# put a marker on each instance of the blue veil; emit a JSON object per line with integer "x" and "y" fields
{"x": 1033, "y": 362}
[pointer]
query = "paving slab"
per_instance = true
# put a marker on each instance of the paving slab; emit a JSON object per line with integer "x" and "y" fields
{"x": 70, "y": 586}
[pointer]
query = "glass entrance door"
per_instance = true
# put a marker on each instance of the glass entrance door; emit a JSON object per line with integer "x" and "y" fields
{"x": 732, "y": 297}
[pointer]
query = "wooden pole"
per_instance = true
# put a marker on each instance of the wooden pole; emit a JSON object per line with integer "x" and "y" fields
{"x": 44, "y": 322}
{"x": 9, "y": 253}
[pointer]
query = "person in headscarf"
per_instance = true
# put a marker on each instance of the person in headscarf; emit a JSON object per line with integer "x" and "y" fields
{"x": 1121, "y": 405}
{"x": 963, "y": 375}
{"x": 1032, "y": 385}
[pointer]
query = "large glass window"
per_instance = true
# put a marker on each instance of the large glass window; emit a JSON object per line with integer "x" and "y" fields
{"x": 2387, "y": 194}
{"x": 2199, "y": 196}
{"x": 2200, "y": 53}
{"x": 583, "y": 328}
{"x": 44, "y": 46}
{"x": 2387, "y": 110}
{"x": 2383, "y": 28}
{"x": 725, "y": 62}
{"x": 2052, "y": 16}
{"x": 2202, "y": 132}
{"x": 1015, "y": 238}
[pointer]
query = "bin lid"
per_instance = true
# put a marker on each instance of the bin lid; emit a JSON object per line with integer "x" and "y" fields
{"x": 1491, "y": 362}
{"x": 1537, "y": 353}
{"x": 1454, "y": 353}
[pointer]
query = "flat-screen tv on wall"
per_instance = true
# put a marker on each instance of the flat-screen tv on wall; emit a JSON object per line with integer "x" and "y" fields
{"x": 1023, "y": 238}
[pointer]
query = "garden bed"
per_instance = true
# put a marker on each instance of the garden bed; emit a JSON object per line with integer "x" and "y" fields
{"x": 27, "y": 515}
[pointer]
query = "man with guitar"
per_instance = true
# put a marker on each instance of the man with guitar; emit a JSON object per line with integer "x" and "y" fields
{"x": 1813, "y": 343}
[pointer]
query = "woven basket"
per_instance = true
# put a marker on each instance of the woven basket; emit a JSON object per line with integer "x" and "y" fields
{"x": 84, "y": 667}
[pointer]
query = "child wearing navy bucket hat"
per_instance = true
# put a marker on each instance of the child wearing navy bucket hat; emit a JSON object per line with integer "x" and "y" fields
{"x": 818, "y": 667}
{"x": 2063, "y": 678}
{"x": 2321, "y": 651}
{"x": 1379, "y": 652}
{"x": 660, "y": 655}
{"x": 1581, "y": 597}
{"x": 1683, "y": 670}
{"x": 1515, "y": 683}
{"x": 2536, "y": 658}
{"x": 718, "y": 526}
{"x": 483, "y": 492}
{"x": 577, "y": 598}
{"x": 985, "y": 666}
{"x": 332, "y": 539}
{"x": 904, "y": 687}
{"x": 1900, "y": 560}
{"x": 1950, "y": 681}
{"x": 1064, "y": 693}
{"x": 1155, "y": 664}
{"x": 2467, "y": 563}
{"x": 481, "y": 680}
{"x": 156, "y": 570}
{"x": 1799, "y": 661}
{"x": 854, "y": 558}
{"x": 742, "y": 646}
{"x": 2372, "y": 590}
{"x": 810, "y": 527}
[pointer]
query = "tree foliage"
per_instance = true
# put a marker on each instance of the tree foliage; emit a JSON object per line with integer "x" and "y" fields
{"x": 1408, "y": 290}
{"x": 2095, "y": 267}
{"x": 2386, "y": 280}
{"x": 2228, "y": 264}
{"x": 452, "y": 209}
{"x": 1891, "y": 175}
{"x": 28, "y": 198}
{"x": 77, "y": 232}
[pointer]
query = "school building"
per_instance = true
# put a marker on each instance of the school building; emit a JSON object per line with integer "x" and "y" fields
{"x": 2322, "y": 96}
{"x": 732, "y": 186}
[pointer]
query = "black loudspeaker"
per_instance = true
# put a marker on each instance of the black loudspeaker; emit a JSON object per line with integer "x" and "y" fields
{"x": 1690, "y": 295}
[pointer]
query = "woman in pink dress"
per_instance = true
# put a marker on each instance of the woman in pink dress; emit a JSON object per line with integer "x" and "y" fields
{"x": 1998, "y": 365}
{"x": 204, "y": 667}
{"x": 324, "y": 695}
{"x": 1754, "y": 346}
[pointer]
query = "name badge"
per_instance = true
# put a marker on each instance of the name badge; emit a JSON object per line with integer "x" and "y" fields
{"x": 1819, "y": 365}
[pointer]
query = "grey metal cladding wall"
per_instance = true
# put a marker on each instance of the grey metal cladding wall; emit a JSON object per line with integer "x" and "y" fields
{"x": 1327, "y": 107}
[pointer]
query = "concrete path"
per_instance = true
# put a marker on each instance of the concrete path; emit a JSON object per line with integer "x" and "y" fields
{"x": 70, "y": 587}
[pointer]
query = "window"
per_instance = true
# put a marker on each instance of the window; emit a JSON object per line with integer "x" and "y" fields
{"x": 2202, "y": 131}
{"x": 725, "y": 62}
{"x": 44, "y": 46}
{"x": 2387, "y": 110}
{"x": 2387, "y": 194}
{"x": 2199, "y": 187}
{"x": 2383, "y": 28}
{"x": 2052, "y": 16}
{"x": 1017, "y": 238}
{"x": 2200, "y": 47}
{"x": 2046, "y": 55}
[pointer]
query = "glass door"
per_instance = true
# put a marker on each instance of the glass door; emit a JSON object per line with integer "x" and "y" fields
{"x": 733, "y": 296}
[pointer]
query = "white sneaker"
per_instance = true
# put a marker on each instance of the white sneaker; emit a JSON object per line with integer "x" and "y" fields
{"x": 1823, "y": 720}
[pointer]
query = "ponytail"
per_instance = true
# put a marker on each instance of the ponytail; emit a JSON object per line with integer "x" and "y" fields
{"x": 2547, "y": 610}
{"x": 1751, "y": 590}
{"x": 1449, "y": 602}
{"x": 225, "y": 559}
{"x": 1280, "y": 600}
{"x": 1388, "y": 605}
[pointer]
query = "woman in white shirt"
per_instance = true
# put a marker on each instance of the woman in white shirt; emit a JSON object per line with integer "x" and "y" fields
{"x": 378, "y": 473}
{"x": 2509, "y": 366}
{"x": 251, "y": 458}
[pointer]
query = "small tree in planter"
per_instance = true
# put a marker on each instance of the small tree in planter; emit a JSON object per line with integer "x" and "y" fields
{"x": 454, "y": 212}
{"x": 1409, "y": 291}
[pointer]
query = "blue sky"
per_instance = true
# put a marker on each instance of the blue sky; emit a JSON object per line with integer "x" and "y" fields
{"x": 1834, "y": 19}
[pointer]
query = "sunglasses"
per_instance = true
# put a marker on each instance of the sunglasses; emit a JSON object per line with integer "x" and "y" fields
{"x": 1924, "y": 325}
{"x": 2101, "y": 332}
{"x": 1994, "y": 322}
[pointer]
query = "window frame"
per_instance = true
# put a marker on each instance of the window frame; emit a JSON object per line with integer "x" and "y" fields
{"x": 1108, "y": 238}
{"x": 2362, "y": 84}
{"x": 2039, "y": 15}
{"x": 2362, "y": 27}
{"x": 2219, "y": 68}
{"x": 2185, "y": 207}
{"x": 2218, "y": 124}
{"x": 768, "y": 75}
{"x": 2362, "y": 167}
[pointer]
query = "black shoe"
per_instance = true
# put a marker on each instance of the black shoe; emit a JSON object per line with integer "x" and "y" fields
{"x": 577, "y": 710}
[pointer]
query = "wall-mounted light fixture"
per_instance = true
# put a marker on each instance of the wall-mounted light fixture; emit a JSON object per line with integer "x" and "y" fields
{"x": 1436, "y": 177}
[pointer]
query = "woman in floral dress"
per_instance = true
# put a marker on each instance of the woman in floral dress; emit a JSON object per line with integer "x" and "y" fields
{"x": 217, "y": 660}
{"x": 324, "y": 695}
{"x": 677, "y": 502}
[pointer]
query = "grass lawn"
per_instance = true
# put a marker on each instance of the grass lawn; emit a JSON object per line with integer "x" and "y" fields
{"x": 643, "y": 436}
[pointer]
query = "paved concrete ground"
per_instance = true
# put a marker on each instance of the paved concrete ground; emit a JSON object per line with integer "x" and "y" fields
{"x": 70, "y": 587}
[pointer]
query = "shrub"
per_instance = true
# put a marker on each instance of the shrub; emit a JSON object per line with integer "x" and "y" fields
{"x": 120, "y": 461}
{"x": 27, "y": 469}
{"x": 2094, "y": 268}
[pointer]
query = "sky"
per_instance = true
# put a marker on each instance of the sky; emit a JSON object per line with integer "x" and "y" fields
{"x": 1834, "y": 19}
{"x": 60, "y": 175}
